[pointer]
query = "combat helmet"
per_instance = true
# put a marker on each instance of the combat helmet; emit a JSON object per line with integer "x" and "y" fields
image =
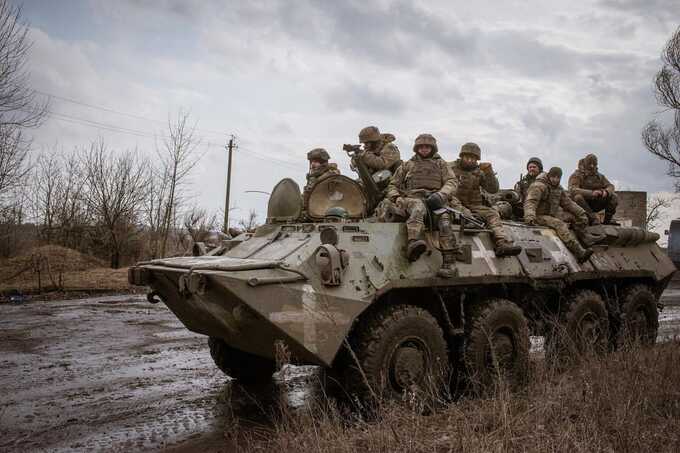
{"x": 318, "y": 154}
{"x": 537, "y": 161}
{"x": 369, "y": 134}
{"x": 471, "y": 149}
{"x": 426, "y": 139}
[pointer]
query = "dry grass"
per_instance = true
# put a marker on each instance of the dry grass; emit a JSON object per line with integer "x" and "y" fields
{"x": 53, "y": 267}
{"x": 626, "y": 402}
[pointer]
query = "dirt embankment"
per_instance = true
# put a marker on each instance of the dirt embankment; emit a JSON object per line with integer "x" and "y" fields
{"x": 55, "y": 268}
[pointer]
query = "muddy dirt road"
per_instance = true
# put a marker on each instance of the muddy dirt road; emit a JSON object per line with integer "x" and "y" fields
{"x": 117, "y": 373}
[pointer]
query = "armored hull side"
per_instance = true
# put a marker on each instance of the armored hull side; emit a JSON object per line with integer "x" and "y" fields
{"x": 273, "y": 286}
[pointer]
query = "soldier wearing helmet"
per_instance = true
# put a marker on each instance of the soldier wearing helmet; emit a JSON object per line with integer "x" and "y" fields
{"x": 542, "y": 205}
{"x": 422, "y": 181}
{"x": 593, "y": 191}
{"x": 319, "y": 168}
{"x": 472, "y": 178}
{"x": 380, "y": 153}
{"x": 534, "y": 168}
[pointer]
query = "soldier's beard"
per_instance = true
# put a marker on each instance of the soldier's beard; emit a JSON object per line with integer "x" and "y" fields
{"x": 318, "y": 170}
{"x": 468, "y": 165}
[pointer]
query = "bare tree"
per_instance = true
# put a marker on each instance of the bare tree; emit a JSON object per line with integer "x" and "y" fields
{"x": 664, "y": 142}
{"x": 197, "y": 225}
{"x": 249, "y": 223}
{"x": 656, "y": 210}
{"x": 178, "y": 158}
{"x": 116, "y": 189}
{"x": 19, "y": 105}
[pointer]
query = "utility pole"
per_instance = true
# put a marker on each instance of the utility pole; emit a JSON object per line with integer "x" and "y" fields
{"x": 230, "y": 147}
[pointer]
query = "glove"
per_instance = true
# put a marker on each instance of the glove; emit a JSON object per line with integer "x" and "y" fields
{"x": 486, "y": 167}
{"x": 530, "y": 220}
{"x": 435, "y": 200}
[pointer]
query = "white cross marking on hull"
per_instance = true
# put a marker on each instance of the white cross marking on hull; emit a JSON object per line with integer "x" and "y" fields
{"x": 488, "y": 255}
{"x": 310, "y": 317}
{"x": 564, "y": 255}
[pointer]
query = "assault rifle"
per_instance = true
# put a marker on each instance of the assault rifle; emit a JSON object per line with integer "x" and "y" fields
{"x": 373, "y": 193}
{"x": 396, "y": 214}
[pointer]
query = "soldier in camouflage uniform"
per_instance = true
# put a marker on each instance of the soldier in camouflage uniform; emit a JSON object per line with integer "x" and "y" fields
{"x": 319, "y": 168}
{"x": 593, "y": 191}
{"x": 472, "y": 177}
{"x": 425, "y": 179}
{"x": 379, "y": 151}
{"x": 534, "y": 168}
{"x": 541, "y": 206}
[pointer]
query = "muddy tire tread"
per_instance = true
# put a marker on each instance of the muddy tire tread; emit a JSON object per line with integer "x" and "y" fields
{"x": 246, "y": 368}
{"x": 628, "y": 298}
{"x": 372, "y": 330}
{"x": 476, "y": 336}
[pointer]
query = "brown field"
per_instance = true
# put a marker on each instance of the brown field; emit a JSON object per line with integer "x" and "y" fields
{"x": 626, "y": 402}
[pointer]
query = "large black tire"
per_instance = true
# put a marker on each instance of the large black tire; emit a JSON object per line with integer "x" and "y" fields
{"x": 497, "y": 346}
{"x": 639, "y": 317}
{"x": 248, "y": 369}
{"x": 398, "y": 348}
{"x": 583, "y": 328}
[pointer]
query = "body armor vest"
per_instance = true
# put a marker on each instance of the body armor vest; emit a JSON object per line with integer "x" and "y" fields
{"x": 424, "y": 174}
{"x": 469, "y": 185}
{"x": 550, "y": 201}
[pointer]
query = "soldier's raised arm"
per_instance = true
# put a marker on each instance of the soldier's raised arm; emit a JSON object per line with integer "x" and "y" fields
{"x": 387, "y": 158}
{"x": 489, "y": 181}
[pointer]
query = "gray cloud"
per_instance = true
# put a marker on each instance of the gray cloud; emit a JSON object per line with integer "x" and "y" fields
{"x": 361, "y": 97}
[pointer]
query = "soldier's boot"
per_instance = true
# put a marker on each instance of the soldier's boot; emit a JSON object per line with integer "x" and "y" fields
{"x": 582, "y": 254}
{"x": 588, "y": 239}
{"x": 507, "y": 248}
{"x": 593, "y": 218}
{"x": 415, "y": 248}
{"x": 448, "y": 269}
{"x": 608, "y": 219}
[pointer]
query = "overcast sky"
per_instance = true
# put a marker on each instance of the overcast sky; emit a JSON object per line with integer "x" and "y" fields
{"x": 554, "y": 79}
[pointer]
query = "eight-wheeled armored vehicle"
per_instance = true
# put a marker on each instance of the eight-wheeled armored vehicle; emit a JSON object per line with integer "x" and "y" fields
{"x": 337, "y": 289}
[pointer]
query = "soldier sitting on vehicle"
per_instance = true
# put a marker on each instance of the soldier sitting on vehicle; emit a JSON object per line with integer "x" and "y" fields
{"x": 472, "y": 177}
{"x": 425, "y": 179}
{"x": 541, "y": 206}
{"x": 319, "y": 168}
{"x": 379, "y": 152}
{"x": 593, "y": 191}
{"x": 534, "y": 168}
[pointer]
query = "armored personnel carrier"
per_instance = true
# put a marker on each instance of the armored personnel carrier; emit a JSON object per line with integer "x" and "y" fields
{"x": 337, "y": 289}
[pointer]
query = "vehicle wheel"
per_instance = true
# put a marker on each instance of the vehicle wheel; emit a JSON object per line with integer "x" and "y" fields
{"x": 398, "y": 348}
{"x": 497, "y": 346}
{"x": 639, "y": 317}
{"x": 247, "y": 368}
{"x": 583, "y": 328}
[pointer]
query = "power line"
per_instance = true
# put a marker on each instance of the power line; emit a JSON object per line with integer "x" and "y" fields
{"x": 117, "y": 112}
